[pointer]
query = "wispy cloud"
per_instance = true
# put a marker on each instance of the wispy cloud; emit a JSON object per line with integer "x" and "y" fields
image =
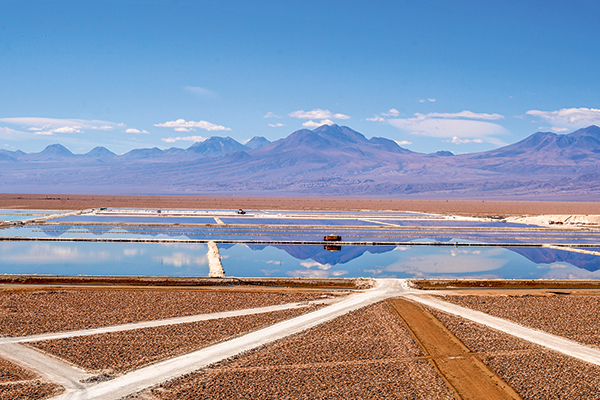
{"x": 50, "y": 254}
{"x": 179, "y": 259}
{"x": 438, "y": 262}
{"x": 555, "y": 129}
{"x": 566, "y": 271}
{"x": 133, "y": 252}
{"x": 427, "y": 100}
{"x": 133, "y": 130}
{"x": 277, "y": 125}
{"x": 462, "y": 114}
{"x": 464, "y": 125}
{"x": 51, "y": 126}
{"x": 271, "y": 115}
{"x": 46, "y": 132}
{"x": 380, "y": 117}
{"x": 185, "y": 138}
{"x": 567, "y": 119}
{"x": 401, "y": 248}
{"x": 373, "y": 271}
{"x": 200, "y": 91}
{"x": 314, "y": 124}
{"x": 457, "y": 140}
{"x": 310, "y": 264}
{"x": 182, "y": 125}
{"x": 315, "y": 273}
{"x": 325, "y": 116}
{"x": 317, "y": 113}
{"x": 268, "y": 272}
{"x": 402, "y": 142}
{"x": 7, "y": 131}
{"x": 68, "y": 129}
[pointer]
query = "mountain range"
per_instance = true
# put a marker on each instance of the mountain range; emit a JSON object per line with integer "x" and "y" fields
{"x": 330, "y": 160}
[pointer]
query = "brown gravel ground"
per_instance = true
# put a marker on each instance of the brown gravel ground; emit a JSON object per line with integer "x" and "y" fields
{"x": 389, "y": 379}
{"x": 370, "y": 333}
{"x": 38, "y": 311}
{"x": 19, "y": 383}
{"x": 505, "y": 286}
{"x": 576, "y": 317}
{"x": 465, "y": 207}
{"x": 534, "y": 372}
{"x": 28, "y": 390}
{"x": 368, "y": 353}
{"x": 118, "y": 352}
{"x": 10, "y": 372}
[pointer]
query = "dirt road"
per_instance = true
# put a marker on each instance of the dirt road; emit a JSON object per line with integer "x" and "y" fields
{"x": 50, "y": 368}
{"x": 462, "y": 370}
{"x": 553, "y": 342}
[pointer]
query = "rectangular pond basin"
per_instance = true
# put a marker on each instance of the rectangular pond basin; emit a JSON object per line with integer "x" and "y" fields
{"x": 304, "y": 261}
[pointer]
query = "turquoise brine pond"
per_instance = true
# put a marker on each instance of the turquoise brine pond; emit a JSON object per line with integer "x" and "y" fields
{"x": 303, "y": 261}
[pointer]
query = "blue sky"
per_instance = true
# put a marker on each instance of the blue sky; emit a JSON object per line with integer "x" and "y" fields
{"x": 463, "y": 76}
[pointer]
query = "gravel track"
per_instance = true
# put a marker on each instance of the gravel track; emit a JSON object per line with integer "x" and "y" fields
{"x": 49, "y": 368}
{"x": 576, "y": 317}
{"x": 370, "y": 333}
{"x": 33, "y": 312}
{"x": 367, "y": 353}
{"x": 155, "y": 323}
{"x": 162, "y": 371}
{"x": 117, "y": 352}
{"x": 552, "y": 342}
{"x": 533, "y": 371}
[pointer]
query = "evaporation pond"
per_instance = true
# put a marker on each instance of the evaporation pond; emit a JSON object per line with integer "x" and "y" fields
{"x": 22, "y": 215}
{"x": 297, "y": 222}
{"x": 305, "y": 261}
{"x": 136, "y": 220}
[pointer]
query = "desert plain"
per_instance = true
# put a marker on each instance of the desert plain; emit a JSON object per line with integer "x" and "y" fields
{"x": 459, "y": 207}
{"x": 221, "y": 338}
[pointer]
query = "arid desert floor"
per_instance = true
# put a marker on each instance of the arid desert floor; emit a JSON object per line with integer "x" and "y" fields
{"x": 458, "y": 207}
{"x": 76, "y": 340}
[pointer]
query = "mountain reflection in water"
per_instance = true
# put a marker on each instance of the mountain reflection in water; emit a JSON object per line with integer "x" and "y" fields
{"x": 177, "y": 259}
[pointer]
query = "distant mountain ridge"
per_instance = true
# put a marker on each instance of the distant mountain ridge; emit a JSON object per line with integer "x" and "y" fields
{"x": 52, "y": 152}
{"x": 582, "y": 141}
{"x": 330, "y": 160}
{"x": 217, "y": 146}
{"x": 100, "y": 152}
{"x": 257, "y": 142}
